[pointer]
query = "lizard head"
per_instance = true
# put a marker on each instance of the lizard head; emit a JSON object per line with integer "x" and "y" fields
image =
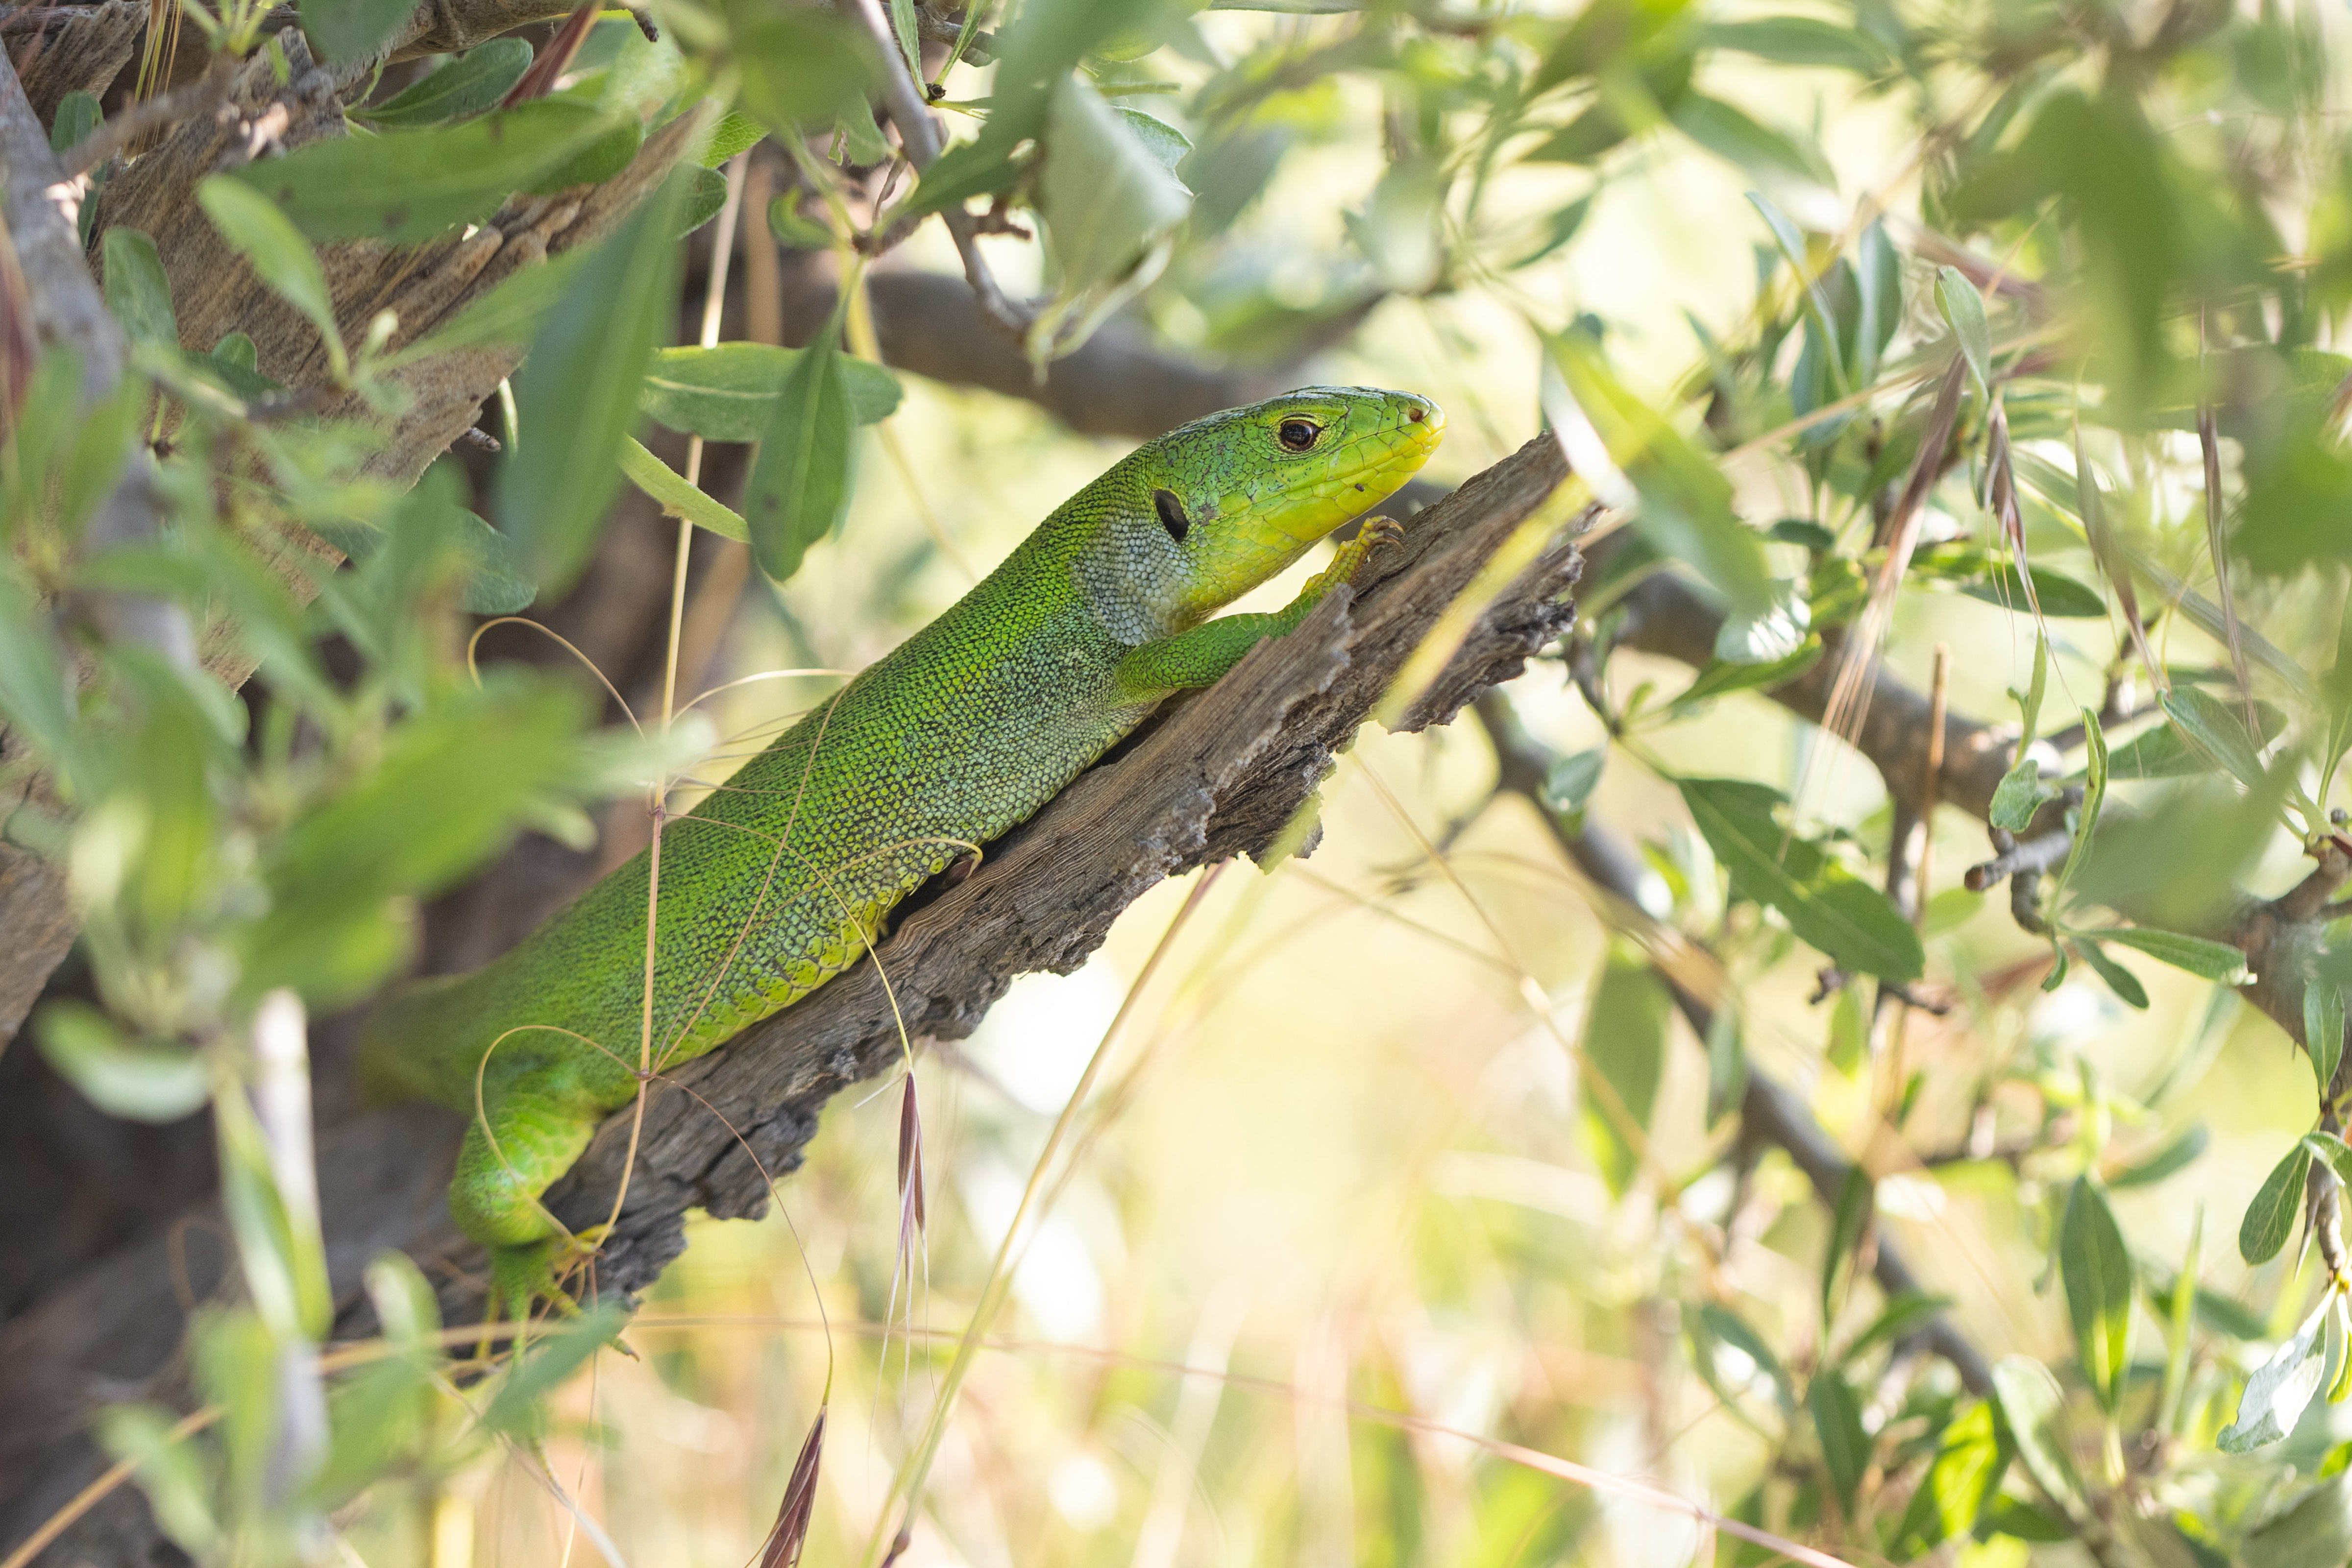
{"x": 1241, "y": 494}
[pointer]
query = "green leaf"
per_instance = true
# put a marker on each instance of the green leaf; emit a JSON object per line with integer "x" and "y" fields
{"x": 171, "y": 1471}
{"x": 736, "y": 132}
{"x": 407, "y": 186}
{"x": 909, "y": 35}
{"x": 2120, "y": 981}
{"x": 706, "y": 198}
{"x": 2332, "y": 1152}
{"x": 2280, "y": 1389}
{"x": 729, "y": 392}
{"x": 78, "y": 114}
{"x": 468, "y": 84}
{"x": 1854, "y": 923}
{"x": 34, "y": 693}
{"x": 1848, "y": 1220}
{"x": 499, "y": 582}
{"x": 1727, "y": 1064}
{"x": 2057, "y": 594}
{"x": 800, "y": 67}
{"x": 257, "y": 230}
{"x": 2323, "y": 1029}
{"x": 1157, "y": 137}
{"x": 2095, "y": 797}
{"x": 668, "y": 491}
{"x": 1910, "y": 1311}
{"x": 2029, "y": 1403}
{"x": 2271, "y": 1216}
{"x": 1681, "y": 504}
{"x": 509, "y": 313}
{"x": 1625, "y": 1041}
{"x": 1837, "y": 1420}
{"x": 519, "y": 1407}
{"x": 121, "y": 1077}
{"x": 2096, "y": 1268}
{"x": 347, "y": 30}
{"x": 2215, "y": 961}
{"x": 2210, "y": 726}
{"x": 1748, "y": 144}
{"x": 576, "y": 395}
{"x": 1572, "y": 779}
{"x": 138, "y": 291}
{"x": 800, "y": 483}
{"x": 1105, "y": 195}
{"x": 1964, "y": 1476}
{"x": 1800, "y": 41}
{"x": 2020, "y": 794}
{"x": 1719, "y": 677}
{"x": 1717, "y": 1327}
{"x": 1964, "y": 312}
{"x": 2178, "y": 1154}
{"x": 455, "y": 781}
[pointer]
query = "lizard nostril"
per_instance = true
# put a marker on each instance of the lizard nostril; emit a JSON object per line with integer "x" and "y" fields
{"x": 1413, "y": 414}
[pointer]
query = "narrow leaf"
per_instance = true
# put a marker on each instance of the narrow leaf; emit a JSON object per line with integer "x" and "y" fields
{"x": 2120, "y": 981}
{"x": 2271, "y": 1216}
{"x": 800, "y": 481}
{"x": 2323, "y": 1029}
{"x": 349, "y": 30}
{"x": 669, "y": 489}
{"x": 1826, "y": 905}
{"x": 138, "y": 291}
{"x": 138, "y": 1082}
{"x": 257, "y": 230}
{"x": 2029, "y": 1403}
{"x": 576, "y": 395}
{"x": 1964, "y": 312}
{"x": 2216, "y": 961}
{"x": 2096, "y": 1268}
{"x": 728, "y": 392}
{"x": 469, "y": 84}
{"x": 1837, "y": 1421}
{"x": 2280, "y": 1389}
{"x": 1964, "y": 1476}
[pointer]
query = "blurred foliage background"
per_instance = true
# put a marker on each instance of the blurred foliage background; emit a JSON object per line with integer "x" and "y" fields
{"x": 1646, "y": 1073}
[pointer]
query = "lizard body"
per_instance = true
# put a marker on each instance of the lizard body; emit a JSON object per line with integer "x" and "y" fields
{"x": 784, "y": 876}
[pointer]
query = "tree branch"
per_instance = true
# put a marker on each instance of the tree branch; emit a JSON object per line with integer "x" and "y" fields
{"x": 61, "y": 302}
{"x": 1224, "y": 773}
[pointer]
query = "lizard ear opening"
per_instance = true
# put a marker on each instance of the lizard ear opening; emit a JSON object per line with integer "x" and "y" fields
{"x": 1172, "y": 514}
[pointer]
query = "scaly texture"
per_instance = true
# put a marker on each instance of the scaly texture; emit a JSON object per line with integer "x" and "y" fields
{"x": 784, "y": 875}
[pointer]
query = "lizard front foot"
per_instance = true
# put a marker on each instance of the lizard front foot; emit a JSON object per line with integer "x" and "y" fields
{"x": 1372, "y": 534}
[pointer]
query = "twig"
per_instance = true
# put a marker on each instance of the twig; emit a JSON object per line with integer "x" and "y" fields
{"x": 907, "y": 108}
{"x": 185, "y": 101}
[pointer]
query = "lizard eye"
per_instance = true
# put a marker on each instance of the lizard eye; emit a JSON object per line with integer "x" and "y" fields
{"x": 1172, "y": 514}
{"x": 1298, "y": 434}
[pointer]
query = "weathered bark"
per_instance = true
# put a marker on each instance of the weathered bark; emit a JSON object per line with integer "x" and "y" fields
{"x": 1223, "y": 774}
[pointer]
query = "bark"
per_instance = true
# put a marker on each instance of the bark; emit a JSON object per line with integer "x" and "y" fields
{"x": 1223, "y": 774}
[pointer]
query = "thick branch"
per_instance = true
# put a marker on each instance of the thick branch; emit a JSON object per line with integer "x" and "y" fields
{"x": 67, "y": 315}
{"x": 1768, "y": 1112}
{"x": 1223, "y": 774}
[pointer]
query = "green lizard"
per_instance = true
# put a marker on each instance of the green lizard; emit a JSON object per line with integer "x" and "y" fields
{"x": 782, "y": 877}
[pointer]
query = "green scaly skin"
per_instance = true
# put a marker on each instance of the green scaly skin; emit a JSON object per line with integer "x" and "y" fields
{"x": 784, "y": 876}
